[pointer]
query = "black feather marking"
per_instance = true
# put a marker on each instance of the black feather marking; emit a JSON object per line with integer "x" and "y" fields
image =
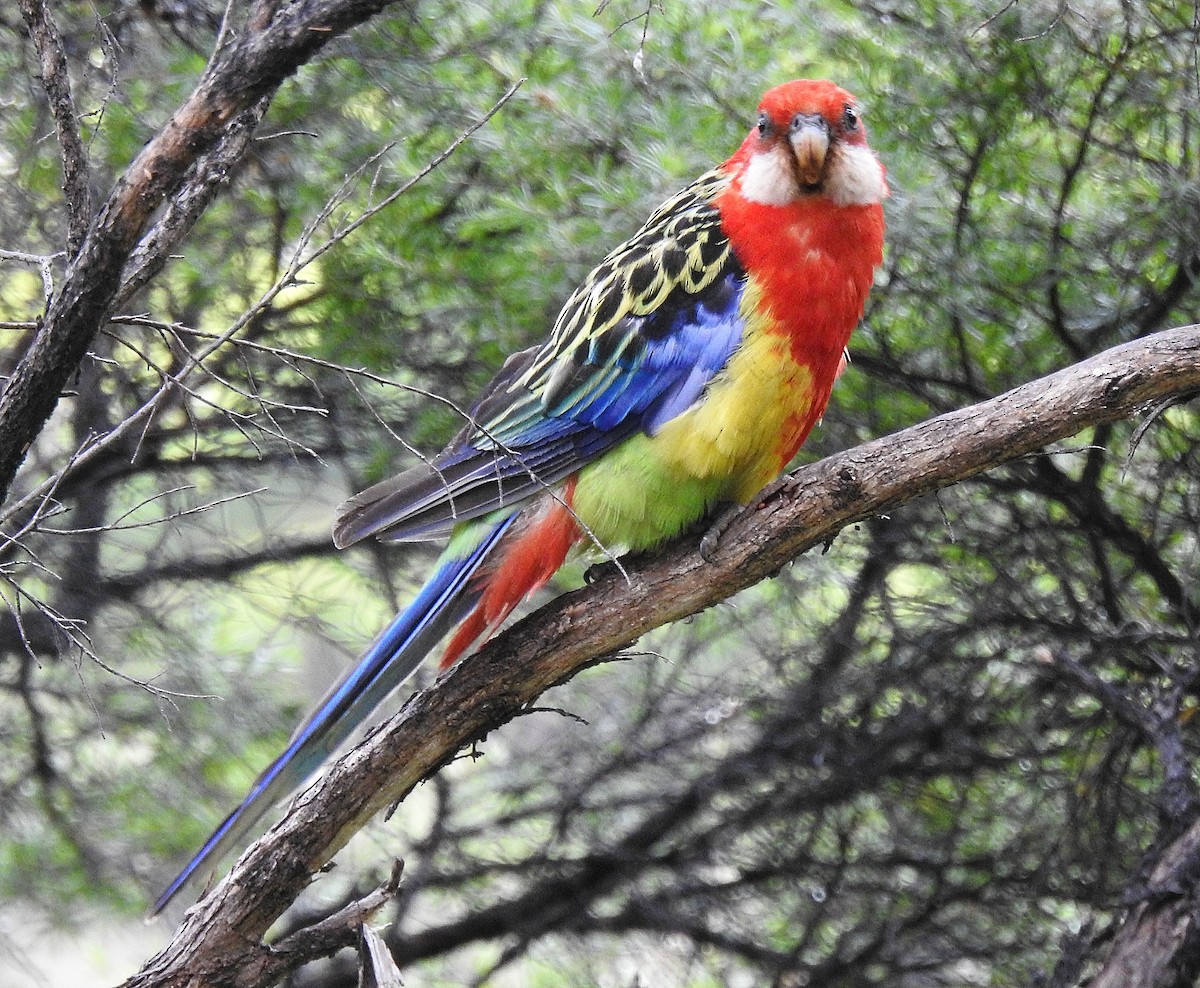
{"x": 673, "y": 260}
{"x": 712, "y": 251}
{"x": 635, "y": 345}
{"x": 641, "y": 278}
{"x": 605, "y": 347}
{"x": 607, "y": 310}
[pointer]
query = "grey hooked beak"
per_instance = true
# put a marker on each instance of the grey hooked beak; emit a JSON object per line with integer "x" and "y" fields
{"x": 809, "y": 135}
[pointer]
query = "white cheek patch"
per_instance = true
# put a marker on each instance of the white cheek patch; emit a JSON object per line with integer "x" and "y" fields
{"x": 856, "y": 178}
{"x": 769, "y": 179}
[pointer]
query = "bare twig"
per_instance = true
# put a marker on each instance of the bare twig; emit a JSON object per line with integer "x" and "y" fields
{"x": 45, "y": 264}
{"x": 175, "y": 383}
{"x": 341, "y": 929}
{"x": 118, "y": 524}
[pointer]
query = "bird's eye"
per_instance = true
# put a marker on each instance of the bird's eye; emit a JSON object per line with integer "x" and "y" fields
{"x": 849, "y": 118}
{"x": 764, "y": 124}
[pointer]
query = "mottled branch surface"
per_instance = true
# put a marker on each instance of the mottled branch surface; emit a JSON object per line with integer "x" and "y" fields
{"x": 242, "y": 75}
{"x": 219, "y": 942}
{"x": 1158, "y": 946}
{"x": 57, "y": 85}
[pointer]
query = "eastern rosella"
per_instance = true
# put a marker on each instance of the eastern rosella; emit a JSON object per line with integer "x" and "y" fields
{"x": 683, "y": 373}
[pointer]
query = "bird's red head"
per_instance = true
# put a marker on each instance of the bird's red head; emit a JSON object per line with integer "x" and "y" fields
{"x": 809, "y": 141}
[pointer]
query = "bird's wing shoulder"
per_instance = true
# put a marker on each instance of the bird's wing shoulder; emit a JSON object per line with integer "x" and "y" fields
{"x": 649, "y": 309}
{"x": 637, "y": 340}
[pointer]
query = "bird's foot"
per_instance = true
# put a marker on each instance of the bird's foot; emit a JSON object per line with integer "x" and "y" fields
{"x": 598, "y": 571}
{"x": 711, "y": 540}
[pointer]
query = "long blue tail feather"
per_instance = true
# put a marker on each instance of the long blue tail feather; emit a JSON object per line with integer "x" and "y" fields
{"x": 395, "y": 655}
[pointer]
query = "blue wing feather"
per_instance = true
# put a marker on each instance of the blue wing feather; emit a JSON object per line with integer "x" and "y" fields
{"x": 396, "y": 653}
{"x": 680, "y": 349}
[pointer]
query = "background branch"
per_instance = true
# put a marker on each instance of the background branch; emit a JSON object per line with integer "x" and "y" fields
{"x": 57, "y": 83}
{"x": 1158, "y": 946}
{"x": 239, "y": 79}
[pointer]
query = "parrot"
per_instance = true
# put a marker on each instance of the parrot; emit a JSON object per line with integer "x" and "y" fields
{"x": 682, "y": 375}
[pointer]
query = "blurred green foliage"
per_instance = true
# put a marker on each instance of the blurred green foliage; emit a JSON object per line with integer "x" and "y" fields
{"x": 944, "y": 798}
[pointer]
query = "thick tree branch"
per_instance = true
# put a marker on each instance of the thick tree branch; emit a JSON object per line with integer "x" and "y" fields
{"x": 57, "y": 84}
{"x": 207, "y": 176}
{"x": 1159, "y": 944}
{"x": 220, "y": 939}
{"x": 241, "y": 77}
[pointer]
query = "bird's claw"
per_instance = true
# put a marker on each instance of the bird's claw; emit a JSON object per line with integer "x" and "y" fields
{"x": 710, "y": 542}
{"x": 597, "y": 572}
